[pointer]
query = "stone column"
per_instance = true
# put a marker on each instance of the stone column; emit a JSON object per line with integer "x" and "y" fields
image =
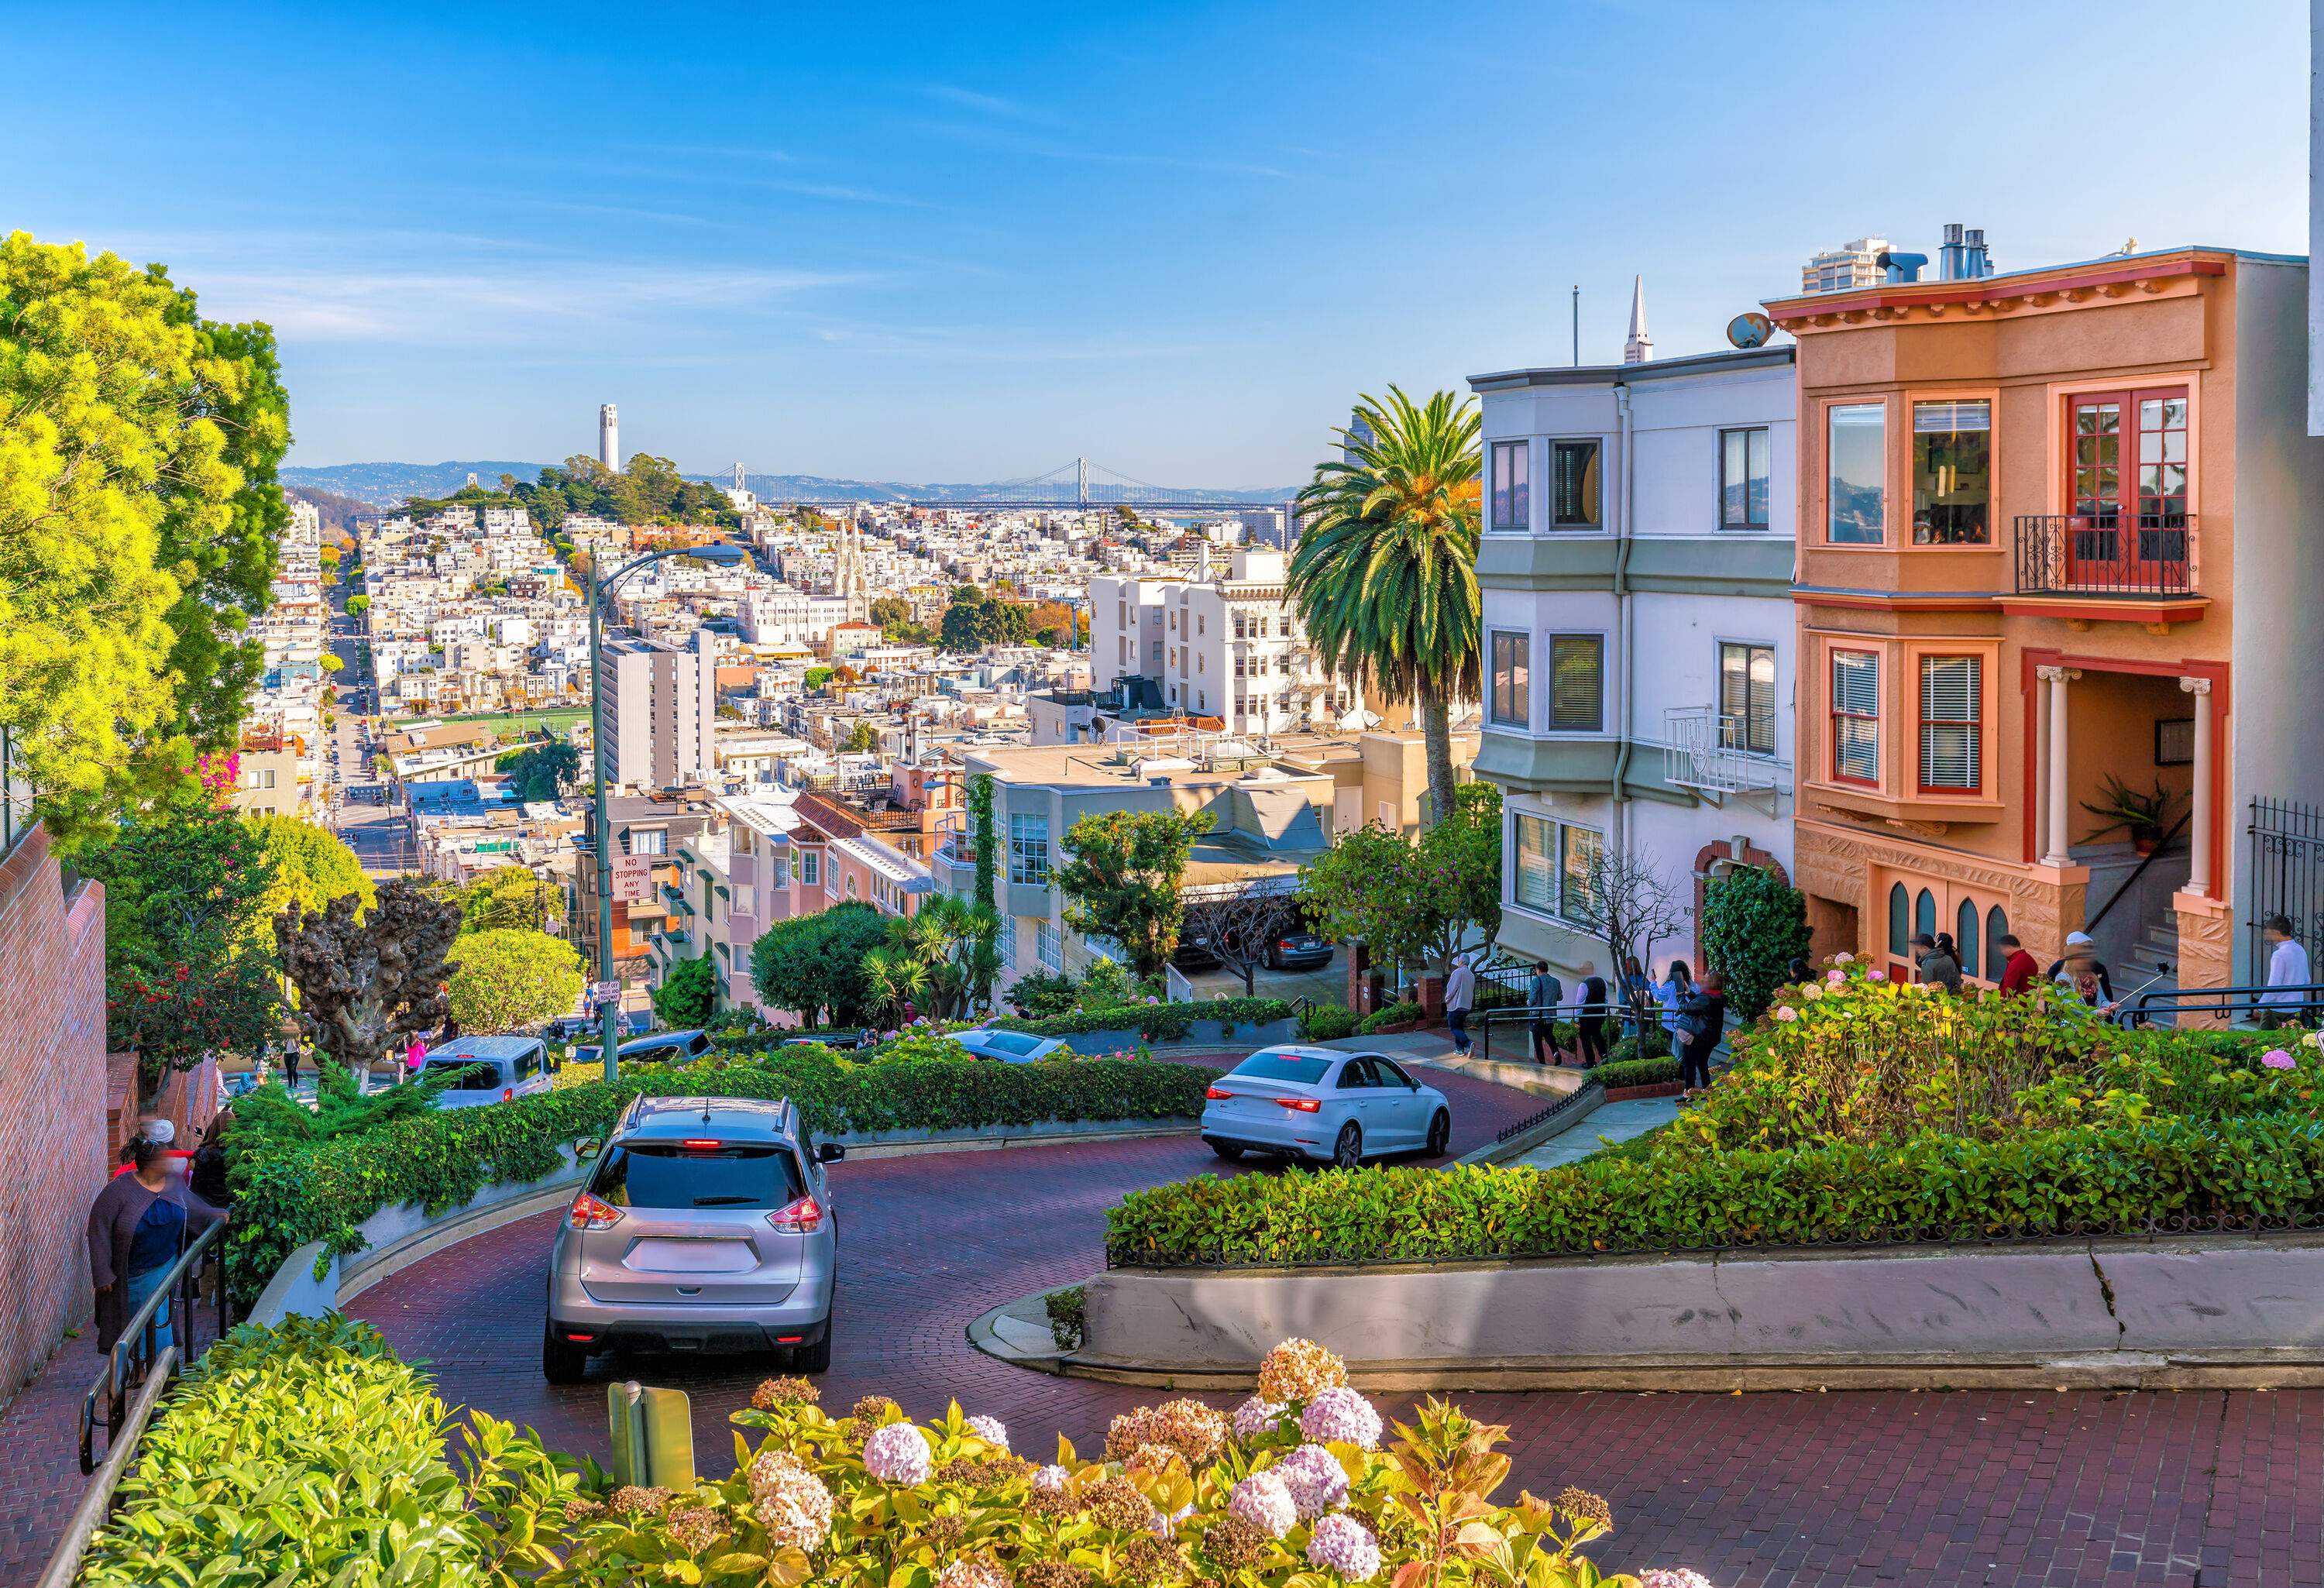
{"x": 2199, "y": 869}
{"x": 2059, "y": 839}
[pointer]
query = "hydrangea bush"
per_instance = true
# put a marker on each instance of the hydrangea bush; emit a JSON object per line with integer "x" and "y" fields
{"x": 1290, "y": 1492}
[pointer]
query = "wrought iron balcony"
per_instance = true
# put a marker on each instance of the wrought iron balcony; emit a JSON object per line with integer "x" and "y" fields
{"x": 1710, "y": 751}
{"x": 2116, "y": 554}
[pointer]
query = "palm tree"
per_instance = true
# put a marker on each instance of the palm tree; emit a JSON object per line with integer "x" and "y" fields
{"x": 892, "y": 979}
{"x": 1385, "y": 578}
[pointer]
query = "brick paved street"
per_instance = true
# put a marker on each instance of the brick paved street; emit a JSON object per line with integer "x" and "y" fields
{"x": 1758, "y": 1491}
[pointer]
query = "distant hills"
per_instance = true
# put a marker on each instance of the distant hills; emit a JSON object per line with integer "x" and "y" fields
{"x": 387, "y": 484}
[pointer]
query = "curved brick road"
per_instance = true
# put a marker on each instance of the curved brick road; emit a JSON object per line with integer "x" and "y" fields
{"x": 1928, "y": 1490}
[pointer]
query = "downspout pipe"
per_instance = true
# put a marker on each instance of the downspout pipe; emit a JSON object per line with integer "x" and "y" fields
{"x": 1624, "y": 630}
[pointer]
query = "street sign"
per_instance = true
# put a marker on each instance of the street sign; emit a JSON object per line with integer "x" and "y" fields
{"x": 605, "y": 991}
{"x": 633, "y": 877}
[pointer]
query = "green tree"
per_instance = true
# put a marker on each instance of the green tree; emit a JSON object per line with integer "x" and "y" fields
{"x": 310, "y": 865}
{"x": 508, "y": 978}
{"x": 811, "y": 964}
{"x": 863, "y": 739}
{"x": 962, "y": 627}
{"x": 687, "y": 995}
{"x": 816, "y": 678}
{"x": 1754, "y": 925}
{"x": 943, "y": 957}
{"x": 889, "y": 610}
{"x": 1414, "y": 902}
{"x": 358, "y": 603}
{"x": 507, "y": 896}
{"x": 1385, "y": 578}
{"x": 1123, "y": 880}
{"x": 543, "y": 771}
{"x": 185, "y": 972}
{"x": 332, "y": 664}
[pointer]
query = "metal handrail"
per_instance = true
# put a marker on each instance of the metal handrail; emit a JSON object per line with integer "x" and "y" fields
{"x": 96, "y": 1501}
{"x": 135, "y": 1355}
{"x": 2227, "y": 1001}
{"x": 1486, "y": 1020}
{"x": 2132, "y": 881}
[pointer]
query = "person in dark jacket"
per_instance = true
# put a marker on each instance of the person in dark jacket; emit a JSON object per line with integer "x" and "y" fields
{"x": 137, "y": 1227}
{"x": 1589, "y": 1015}
{"x": 1939, "y": 965}
{"x": 1702, "y": 1016}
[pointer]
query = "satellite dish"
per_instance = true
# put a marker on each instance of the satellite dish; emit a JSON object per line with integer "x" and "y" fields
{"x": 1750, "y": 331}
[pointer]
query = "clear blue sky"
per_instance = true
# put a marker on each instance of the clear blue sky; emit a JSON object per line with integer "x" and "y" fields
{"x": 971, "y": 241}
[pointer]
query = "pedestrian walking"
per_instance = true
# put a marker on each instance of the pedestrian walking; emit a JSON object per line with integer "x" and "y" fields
{"x": 137, "y": 1227}
{"x": 2287, "y": 973}
{"x": 1637, "y": 992}
{"x": 1544, "y": 994}
{"x": 2019, "y": 969}
{"x": 1459, "y": 995}
{"x": 1589, "y": 1015}
{"x": 2084, "y": 973}
{"x": 1671, "y": 992}
{"x": 291, "y": 1063}
{"x": 1701, "y": 1022}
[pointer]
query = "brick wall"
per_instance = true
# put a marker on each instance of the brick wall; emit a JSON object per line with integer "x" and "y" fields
{"x": 52, "y": 1102}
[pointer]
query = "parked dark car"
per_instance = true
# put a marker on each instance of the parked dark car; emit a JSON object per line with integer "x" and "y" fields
{"x": 661, "y": 1047}
{"x": 1195, "y": 955}
{"x": 1299, "y": 951}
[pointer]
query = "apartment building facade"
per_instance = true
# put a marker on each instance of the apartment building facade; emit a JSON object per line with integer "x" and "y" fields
{"x": 2051, "y": 520}
{"x": 1636, "y": 568}
{"x": 661, "y": 710}
{"x": 1224, "y": 644}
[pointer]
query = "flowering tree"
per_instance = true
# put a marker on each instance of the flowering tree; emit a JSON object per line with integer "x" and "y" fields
{"x": 1414, "y": 903}
{"x": 184, "y": 973}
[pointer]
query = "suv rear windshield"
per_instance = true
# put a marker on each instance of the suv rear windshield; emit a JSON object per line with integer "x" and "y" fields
{"x": 477, "y": 1074}
{"x": 1283, "y": 1067}
{"x": 669, "y": 1174}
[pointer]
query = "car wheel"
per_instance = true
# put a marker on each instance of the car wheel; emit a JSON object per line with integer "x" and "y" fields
{"x": 1348, "y": 1151}
{"x": 1226, "y": 1149}
{"x": 561, "y": 1360}
{"x": 1440, "y": 1134}
{"x": 816, "y": 1358}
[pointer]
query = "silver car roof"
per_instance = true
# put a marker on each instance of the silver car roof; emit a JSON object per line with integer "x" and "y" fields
{"x": 674, "y": 1118}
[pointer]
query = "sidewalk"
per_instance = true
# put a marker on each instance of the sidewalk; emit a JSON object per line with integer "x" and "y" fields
{"x": 1614, "y": 1121}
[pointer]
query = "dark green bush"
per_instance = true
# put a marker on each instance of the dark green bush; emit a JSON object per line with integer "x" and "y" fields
{"x": 1394, "y": 1014}
{"x": 321, "y": 1190}
{"x": 1326, "y": 1023}
{"x": 1657, "y": 1045}
{"x": 1637, "y": 1072}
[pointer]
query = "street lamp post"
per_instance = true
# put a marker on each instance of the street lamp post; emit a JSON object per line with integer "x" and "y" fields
{"x": 724, "y": 555}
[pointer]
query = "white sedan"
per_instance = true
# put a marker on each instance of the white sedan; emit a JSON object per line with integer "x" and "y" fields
{"x": 1008, "y": 1047}
{"x": 1319, "y": 1103}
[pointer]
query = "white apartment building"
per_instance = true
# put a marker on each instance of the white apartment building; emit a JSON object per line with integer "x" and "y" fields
{"x": 1226, "y": 647}
{"x": 661, "y": 710}
{"x": 1636, "y": 566}
{"x": 1852, "y": 264}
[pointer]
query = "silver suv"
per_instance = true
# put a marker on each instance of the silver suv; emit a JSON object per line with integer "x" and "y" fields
{"x": 706, "y": 1225}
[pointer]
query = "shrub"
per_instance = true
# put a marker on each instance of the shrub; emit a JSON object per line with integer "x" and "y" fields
{"x": 1181, "y": 1489}
{"x": 1156, "y": 1023}
{"x": 1754, "y": 925}
{"x": 1041, "y": 994}
{"x": 688, "y": 992}
{"x": 1654, "y": 1044}
{"x": 1066, "y": 1312}
{"x": 322, "y": 1190}
{"x": 1326, "y": 1023}
{"x": 1637, "y": 1072}
{"x": 1394, "y": 1014}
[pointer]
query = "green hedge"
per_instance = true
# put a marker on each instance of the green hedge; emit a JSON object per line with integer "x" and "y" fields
{"x": 306, "y": 1454}
{"x": 1635, "y": 1072}
{"x": 1156, "y": 1023}
{"x": 321, "y": 1190}
{"x": 1930, "y": 1187}
{"x": 1326, "y": 1023}
{"x": 1394, "y": 1014}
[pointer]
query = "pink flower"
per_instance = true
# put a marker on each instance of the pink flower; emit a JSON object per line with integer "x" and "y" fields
{"x": 1264, "y": 1501}
{"x": 1341, "y": 1416}
{"x": 898, "y": 1453}
{"x": 2276, "y": 1058}
{"x": 1256, "y": 1416}
{"x": 1787, "y": 1014}
{"x": 1346, "y": 1546}
{"x": 1835, "y": 977}
{"x": 1674, "y": 1577}
{"x": 1317, "y": 1481}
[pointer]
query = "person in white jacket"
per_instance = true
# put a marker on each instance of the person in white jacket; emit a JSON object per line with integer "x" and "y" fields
{"x": 1459, "y": 997}
{"x": 2288, "y": 970}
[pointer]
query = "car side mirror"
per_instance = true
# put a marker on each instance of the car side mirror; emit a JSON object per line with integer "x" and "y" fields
{"x": 829, "y": 1152}
{"x": 587, "y": 1148}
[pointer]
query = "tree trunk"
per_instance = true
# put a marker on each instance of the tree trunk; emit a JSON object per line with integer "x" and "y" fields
{"x": 1436, "y": 729}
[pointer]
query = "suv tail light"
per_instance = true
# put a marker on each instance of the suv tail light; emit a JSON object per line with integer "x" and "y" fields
{"x": 803, "y": 1217}
{"x": 1216, "y": 1092}
{"x": 508, "y": 1094}
{"x": 589, "y": 1213}
{"x": 1303, "y": 1105}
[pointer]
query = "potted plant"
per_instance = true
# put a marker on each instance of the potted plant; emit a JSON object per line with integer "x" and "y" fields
{"x": 2145, "y": 816}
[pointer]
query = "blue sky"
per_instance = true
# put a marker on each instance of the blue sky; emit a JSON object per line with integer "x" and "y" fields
{"x": 954, "y": 242}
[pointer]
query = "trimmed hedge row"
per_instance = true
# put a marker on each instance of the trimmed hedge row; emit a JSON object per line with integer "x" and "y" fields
{"x": 1156, "y": 1023}
{"x": 1635, "y": 1072}
{"x": 1930, "y": 1187}
{"x": 321, "y": 1190}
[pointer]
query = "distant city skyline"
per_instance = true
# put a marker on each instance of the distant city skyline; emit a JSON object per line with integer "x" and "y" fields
{"x": 936, "y": 246}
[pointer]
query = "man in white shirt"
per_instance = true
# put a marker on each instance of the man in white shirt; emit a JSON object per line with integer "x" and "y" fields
{"x": 1459, "y": 995}
{"x": 2287, "y": 969}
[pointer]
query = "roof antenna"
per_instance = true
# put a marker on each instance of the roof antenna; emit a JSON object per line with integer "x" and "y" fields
{"x": 705, "y": 1108}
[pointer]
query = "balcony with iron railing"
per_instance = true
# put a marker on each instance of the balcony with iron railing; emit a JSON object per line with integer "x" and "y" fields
{"x": 2118, "y": 556}
{"x": 1711, "y": 751}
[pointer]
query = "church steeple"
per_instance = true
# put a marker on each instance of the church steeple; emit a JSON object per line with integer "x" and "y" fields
{"x": 1640, "y": 347}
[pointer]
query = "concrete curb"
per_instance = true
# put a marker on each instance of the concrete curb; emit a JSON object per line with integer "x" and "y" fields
{"x": 1587, "y": 1102}
{"x": 984, "y": 1333}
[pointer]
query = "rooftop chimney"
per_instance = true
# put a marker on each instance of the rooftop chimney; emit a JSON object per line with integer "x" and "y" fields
{"x": 1962, "y": 258}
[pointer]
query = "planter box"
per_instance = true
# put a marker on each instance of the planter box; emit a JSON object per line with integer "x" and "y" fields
{"x": 1395, "y": 1030}
{"x": 1655, "y": 1089}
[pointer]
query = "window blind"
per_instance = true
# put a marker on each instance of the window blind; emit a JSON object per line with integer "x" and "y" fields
{"x": 1949, "y": 722}
{"x": 1577, "y": 685}
{"x": 1856, "y": 714}
{"x": 1536, "y": 887}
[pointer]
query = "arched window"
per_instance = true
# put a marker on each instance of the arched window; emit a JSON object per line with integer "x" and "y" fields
{"x": 1965, "y": 936}
{"x": 1898, "y": 926}
{"x": 1997, "y": 957}
{"x": 1924, "y": 914}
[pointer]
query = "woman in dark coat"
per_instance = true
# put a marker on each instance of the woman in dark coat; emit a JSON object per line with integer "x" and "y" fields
{"x": 1701, "y": 1022}
{"x": 137, "y": 1228}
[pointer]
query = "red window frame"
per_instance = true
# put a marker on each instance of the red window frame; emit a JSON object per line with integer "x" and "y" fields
{"x": 1974, "y": 723}
{"x": 1839, "y": 715}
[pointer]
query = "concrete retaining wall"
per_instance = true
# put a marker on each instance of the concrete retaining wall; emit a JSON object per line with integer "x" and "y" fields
{"x": 2106, "y": 1312}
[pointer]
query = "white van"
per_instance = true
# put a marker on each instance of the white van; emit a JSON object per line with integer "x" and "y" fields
{"x": 489, "y": 1069}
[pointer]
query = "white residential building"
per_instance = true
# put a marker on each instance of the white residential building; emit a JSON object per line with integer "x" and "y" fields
{"x": 661, "y": 711}
{"x": 1225, "y": 644}
{"x": 1636, "y": 566}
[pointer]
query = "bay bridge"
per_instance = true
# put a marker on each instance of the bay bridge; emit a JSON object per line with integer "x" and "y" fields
{"x": 1079, "y": 486}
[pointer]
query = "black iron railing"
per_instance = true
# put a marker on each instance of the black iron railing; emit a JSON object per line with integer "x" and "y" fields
{"x": 2106, "y": 554}
{"x": 139, "y": 1354}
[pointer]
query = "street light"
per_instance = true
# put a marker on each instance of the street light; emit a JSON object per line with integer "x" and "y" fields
{"x": 725, "y": 554}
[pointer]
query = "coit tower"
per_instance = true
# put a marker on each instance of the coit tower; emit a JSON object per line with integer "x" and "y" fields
{"x": 609, "y": 436}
